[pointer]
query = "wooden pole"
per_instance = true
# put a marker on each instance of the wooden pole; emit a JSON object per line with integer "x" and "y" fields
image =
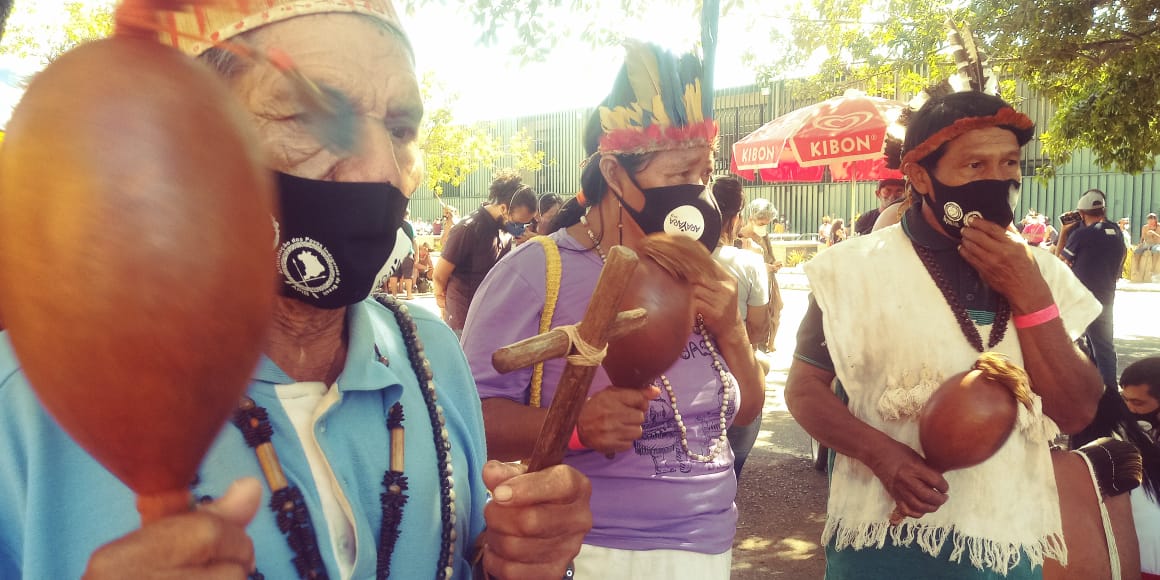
{"x": 572, "y": 390}
{"x": 555, "y": 344}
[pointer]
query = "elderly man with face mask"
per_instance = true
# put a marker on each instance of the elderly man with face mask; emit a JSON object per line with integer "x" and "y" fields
{"x": 934, "y": 292}
{"x": 342, "y": 378}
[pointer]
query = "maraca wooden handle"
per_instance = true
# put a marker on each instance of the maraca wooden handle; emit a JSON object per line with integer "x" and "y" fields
{"x": 572, "y": 390}
{"x": 154, "y": 506}
{"x": 555, "y": 343}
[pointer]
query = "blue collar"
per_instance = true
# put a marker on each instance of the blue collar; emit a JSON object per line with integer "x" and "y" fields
{"x": 373, "y": 334}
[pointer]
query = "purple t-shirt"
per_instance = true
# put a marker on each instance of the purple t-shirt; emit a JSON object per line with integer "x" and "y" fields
{"x": 652, "y": 496}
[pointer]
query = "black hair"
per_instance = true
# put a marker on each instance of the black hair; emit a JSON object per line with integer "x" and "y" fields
{"x": 549, "y": 201}
{"x": 508, "y": 188}
{"x": 592, "y": 181}
{"x": 1113, "y": 419}
{"x": 1143, "y": 372}
{"x": 730, "y": 196}
{"x": 940, "y": 112}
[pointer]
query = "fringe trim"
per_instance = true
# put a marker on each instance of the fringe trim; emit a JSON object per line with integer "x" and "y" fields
{"x": 982, "y": 553}
{"x": 905, "y": 399}
{"x": 1034, "y": 425}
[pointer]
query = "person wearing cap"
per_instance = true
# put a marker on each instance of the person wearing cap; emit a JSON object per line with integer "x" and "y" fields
{"x": 658, "y": 457}
{"x": 1094, "y": 249}
{"x": 935, "y": 291}
{"x": 1146, "y": 255}
{"x": 361, "y": 420}
{"x": 889, "y": 192}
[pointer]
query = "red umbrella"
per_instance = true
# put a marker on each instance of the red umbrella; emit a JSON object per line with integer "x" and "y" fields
{"x": 844, "y": 133}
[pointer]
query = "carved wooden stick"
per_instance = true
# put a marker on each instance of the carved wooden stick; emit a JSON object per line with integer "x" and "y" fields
{"x": 573, "y": 387}
{"x": 554, "y": 343}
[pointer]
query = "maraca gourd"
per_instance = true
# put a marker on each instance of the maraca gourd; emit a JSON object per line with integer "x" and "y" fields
{"x": 136, "y": 276}
{"x": 662, "y": 285}
{"x": 969, "y": 417}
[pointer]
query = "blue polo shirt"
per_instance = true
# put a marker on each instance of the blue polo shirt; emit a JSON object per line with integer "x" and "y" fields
{"x": 1096, "y": 253}
{"x": 57, "y": 505}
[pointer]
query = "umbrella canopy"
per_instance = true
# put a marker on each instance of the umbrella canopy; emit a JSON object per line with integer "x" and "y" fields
{"x": 844, "y": 133}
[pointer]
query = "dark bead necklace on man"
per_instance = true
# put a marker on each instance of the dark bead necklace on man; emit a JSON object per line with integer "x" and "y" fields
{"x": 287, "y": 502}
{"x": 970, "y": 331}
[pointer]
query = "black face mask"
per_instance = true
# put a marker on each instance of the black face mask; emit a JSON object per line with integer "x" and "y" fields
{"x": 684, "y": 210}
{"x": 336, "y": 240}
{"x": 1152, "y": 419}
{"x": 991, "y": 199}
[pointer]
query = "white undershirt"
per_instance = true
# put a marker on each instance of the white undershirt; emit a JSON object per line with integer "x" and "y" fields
{"x": 305, "y": 403}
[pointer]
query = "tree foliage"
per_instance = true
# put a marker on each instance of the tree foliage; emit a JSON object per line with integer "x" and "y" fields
{"x": 35, "y": 30}
{"x": 1095, "y": 60}
{"x": 453, "y": 151}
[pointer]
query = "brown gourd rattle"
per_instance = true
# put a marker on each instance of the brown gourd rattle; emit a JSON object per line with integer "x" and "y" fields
{"x": 971, "y": 415}
{"x": 662, "y": 286}
{"x": 135, "y": 271}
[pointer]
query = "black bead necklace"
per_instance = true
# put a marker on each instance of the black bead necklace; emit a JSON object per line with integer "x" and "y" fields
{"x": 287, "y": 502}
{"x": 966, "y": 325}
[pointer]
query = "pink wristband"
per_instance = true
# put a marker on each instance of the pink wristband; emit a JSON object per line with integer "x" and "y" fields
{"x": 1036, "y": 318}
{"x": 574, "y": 443}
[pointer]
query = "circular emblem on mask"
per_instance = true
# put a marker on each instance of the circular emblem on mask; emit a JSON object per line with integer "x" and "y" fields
{"x": 953, "y": 212}
{"x": 308, "y": 267}
{"x": 685, "y": 221}
{"x": 972, "y": 216}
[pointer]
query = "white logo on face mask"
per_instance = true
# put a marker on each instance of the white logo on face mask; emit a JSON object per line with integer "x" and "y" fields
{"x": 953, "y": 212}
{"x": 308, "y": 267}
{"x": 685, "y": 221}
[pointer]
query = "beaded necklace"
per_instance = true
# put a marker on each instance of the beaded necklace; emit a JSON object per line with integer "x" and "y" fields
{"x": 287, "y": 502}
{"x": 966, "y": 325}
{"x": 722, "y": 442}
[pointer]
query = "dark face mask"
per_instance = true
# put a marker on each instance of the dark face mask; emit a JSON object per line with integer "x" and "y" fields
{"x": 336, "y": 241}
{"x": 1152, "y": 418}
{"x": 516, "y": 229}
{"x": 685, "y": 210}
{"x": 990, "y": 199}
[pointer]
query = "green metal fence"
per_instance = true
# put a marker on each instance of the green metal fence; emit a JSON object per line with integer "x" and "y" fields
{"x": 739, "y": 111}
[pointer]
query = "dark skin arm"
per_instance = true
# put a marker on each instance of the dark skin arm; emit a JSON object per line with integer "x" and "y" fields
{"x": 1066, "y": 379}
{"x": 916, "y": 487}
{"x": 609, "y": 422}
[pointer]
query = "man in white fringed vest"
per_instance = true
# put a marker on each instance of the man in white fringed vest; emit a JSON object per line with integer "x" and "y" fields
{"x": 895, "y": 313}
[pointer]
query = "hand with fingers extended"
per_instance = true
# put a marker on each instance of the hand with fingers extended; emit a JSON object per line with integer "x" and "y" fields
{"x": 209, "y": 543}
{"x": 535, "y": 521}
{"x": 1004, "y": 263}
{"x": 916, "y": 487}
{"x": 612, "y": 419}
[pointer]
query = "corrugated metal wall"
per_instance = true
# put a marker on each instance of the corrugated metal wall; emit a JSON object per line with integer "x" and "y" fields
{"x": 740, "y": 111}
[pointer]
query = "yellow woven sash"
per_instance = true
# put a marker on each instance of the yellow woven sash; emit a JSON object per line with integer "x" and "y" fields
{"x": 552, "y": 256}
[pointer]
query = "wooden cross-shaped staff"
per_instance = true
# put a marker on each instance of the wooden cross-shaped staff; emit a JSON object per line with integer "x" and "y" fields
{"x": 600, "y": 324}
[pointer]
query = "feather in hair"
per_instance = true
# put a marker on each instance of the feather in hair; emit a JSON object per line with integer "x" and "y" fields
{"x": 973, "y": 72}
{"x": 643, "y": 72}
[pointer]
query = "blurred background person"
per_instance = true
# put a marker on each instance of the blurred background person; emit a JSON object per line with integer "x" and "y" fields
{"x": 754, "y": 236}
{"x": 477, "y": 242}
{"x": 549, "y": 205}
{"x": 752, "y": 298}
{"x": 890, "y": 192}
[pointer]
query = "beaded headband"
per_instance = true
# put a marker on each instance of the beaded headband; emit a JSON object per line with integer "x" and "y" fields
{"x": 196, "y": 31}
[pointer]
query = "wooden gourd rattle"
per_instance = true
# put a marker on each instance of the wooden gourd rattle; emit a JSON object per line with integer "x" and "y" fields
{"x": 136, "y": 275}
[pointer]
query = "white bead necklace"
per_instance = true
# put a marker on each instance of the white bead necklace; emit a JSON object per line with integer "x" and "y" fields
{"x": 722, "y": 441}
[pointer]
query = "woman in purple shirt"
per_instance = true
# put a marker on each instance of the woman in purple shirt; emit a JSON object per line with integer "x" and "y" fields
{"x": 663, "y": 503}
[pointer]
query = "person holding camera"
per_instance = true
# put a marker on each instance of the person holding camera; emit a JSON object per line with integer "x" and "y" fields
{"x": 475, "y": 244}
{"x": 1094, "y": 248}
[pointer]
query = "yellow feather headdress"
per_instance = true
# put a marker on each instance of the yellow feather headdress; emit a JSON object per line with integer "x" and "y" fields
{"x": 658, "y": 103}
